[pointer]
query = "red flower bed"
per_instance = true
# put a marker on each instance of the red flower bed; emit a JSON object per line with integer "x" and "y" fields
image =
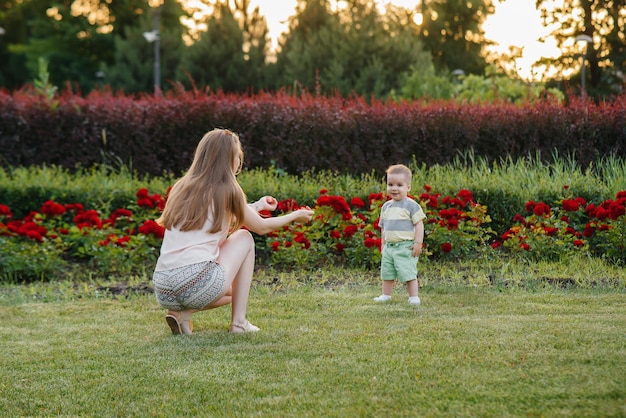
{"x": 343, "y": 231}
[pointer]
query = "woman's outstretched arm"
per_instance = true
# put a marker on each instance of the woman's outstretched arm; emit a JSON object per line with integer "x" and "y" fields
{"x": 255, "y": 223}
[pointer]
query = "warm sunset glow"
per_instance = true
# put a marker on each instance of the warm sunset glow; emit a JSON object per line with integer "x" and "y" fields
{"x": 516, "y": 24}
{"x": 97, "y": 14}
{"x": 53, "y": 12}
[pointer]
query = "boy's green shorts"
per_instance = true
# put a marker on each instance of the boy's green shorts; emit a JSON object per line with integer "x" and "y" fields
{"x": 398, "y": 262}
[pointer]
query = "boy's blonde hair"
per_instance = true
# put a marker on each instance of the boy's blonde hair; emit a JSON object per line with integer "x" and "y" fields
{"x": 400, "y": 169}
{"x": 209, "y": 185}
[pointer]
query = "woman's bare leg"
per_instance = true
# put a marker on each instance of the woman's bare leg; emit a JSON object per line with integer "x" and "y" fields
{"x": 237, "y": 259}
{"x": 185, "y": 315}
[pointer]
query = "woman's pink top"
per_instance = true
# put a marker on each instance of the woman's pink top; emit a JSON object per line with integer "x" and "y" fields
{"x": 182, "y": 248}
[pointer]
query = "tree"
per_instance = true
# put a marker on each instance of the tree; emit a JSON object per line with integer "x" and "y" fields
{"x": 424, "y": 83}
{"x": 13, "y": 71}
{"x": 132, "y": 69}
{"x": 255, "y": 44}
{"x": 352, "y": 50}
{"x": 452, "y": 31}
{"x": 308, "y": 47}
{"x": 72, "y": 46}
{"x": 602, "y": 20}
{"x": 380, "y": 48}
{"x": 217, "y": 58}
{"x": 230, "y": 54}
{"x": 76, "y": 38}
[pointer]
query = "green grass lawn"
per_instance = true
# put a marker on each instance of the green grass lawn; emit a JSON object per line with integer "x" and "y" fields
{"x": 322, "y": 351}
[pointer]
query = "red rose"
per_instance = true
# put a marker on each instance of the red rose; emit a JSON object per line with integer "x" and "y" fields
{"x": 51, "y": 208}
{"x": 466, "y": 196}
{"x": 453, "y": 224}
{"x": 150, "y": 227}
{"x": 350, "y": 230}
{"x": 541, "y": 209}
{"x": 5, "y": 211}
{"x": 551, "y": 231}
{"x": 570, "y": 205}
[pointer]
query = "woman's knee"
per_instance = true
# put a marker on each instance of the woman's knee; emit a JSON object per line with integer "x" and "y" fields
{"x": 244, "y": 237}
{"x": 238, "y": 243}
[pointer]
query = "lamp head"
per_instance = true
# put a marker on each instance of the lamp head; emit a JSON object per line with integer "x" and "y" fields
{"x": 151, "y": 36}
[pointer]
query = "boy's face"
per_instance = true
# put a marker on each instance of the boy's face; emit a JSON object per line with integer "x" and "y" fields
{"x": 397, "y": 186}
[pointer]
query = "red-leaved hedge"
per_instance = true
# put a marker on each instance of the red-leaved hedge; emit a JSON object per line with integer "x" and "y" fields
{"x": 154, "y": 135}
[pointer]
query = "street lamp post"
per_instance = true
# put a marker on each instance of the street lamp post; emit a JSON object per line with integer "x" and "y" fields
{"x": 154, "y": 37}
{"x": 586, "y": 39}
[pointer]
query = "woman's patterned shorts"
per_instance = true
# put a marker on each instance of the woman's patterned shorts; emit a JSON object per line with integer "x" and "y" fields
{"x": 189, "y": 287}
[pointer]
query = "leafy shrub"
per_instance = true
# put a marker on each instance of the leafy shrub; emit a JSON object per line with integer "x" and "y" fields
{"x": 156, "y": 135}
{"x": 340, "y": 232}
{"x": 571, "y": 227}
{"x": 58, "y": 239}
{"x": 27, "y": 260}
{"x": 455, "y": 226}
{"x": 49, "y": 241}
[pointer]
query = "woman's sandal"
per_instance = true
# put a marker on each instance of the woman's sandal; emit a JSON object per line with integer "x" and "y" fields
{"x": 245, "y": 327}
{"x": 179, "y": 327}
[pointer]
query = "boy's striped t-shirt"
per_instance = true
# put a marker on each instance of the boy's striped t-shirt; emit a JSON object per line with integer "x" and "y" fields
{"x": 398, "y": 219}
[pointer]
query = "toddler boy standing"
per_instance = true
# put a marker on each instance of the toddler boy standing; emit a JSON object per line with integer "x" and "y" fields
{"x": 402, "y": 232}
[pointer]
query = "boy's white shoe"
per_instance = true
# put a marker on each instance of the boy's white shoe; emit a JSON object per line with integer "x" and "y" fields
{"x": 414, "y": 300}
{"x": 382, "y": 298}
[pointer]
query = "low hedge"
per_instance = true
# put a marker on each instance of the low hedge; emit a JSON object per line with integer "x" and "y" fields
{"x": 503, "y": 188}
{"x": 156, "y": 135}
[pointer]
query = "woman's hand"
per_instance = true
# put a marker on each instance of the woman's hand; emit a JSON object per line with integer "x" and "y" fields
{"x": 267, "y": 203}
{"x": 303, "y": 215}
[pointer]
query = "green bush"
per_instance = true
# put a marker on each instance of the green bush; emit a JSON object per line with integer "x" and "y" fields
{"x": 112, "y": 232}
{"x": 27, "y": 260}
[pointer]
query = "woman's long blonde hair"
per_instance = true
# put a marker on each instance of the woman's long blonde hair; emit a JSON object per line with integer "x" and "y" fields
{"x": 208, "y": 187}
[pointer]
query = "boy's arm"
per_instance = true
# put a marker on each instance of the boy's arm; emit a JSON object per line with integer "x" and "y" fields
{"x": 418, "y": 239}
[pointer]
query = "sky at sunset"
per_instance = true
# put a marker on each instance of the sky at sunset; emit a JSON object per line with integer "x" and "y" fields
{"x": 516, "y": 22}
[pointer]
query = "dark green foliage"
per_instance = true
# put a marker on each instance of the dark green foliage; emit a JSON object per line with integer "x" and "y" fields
{"x": 602, "y": 20}
{"x": 355, "y": 50}
{"x": 452, "y": 31}
{"x": 217, "y": 58}
{"x": 334, "y": 47}
{"x": 79, "y": 46}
